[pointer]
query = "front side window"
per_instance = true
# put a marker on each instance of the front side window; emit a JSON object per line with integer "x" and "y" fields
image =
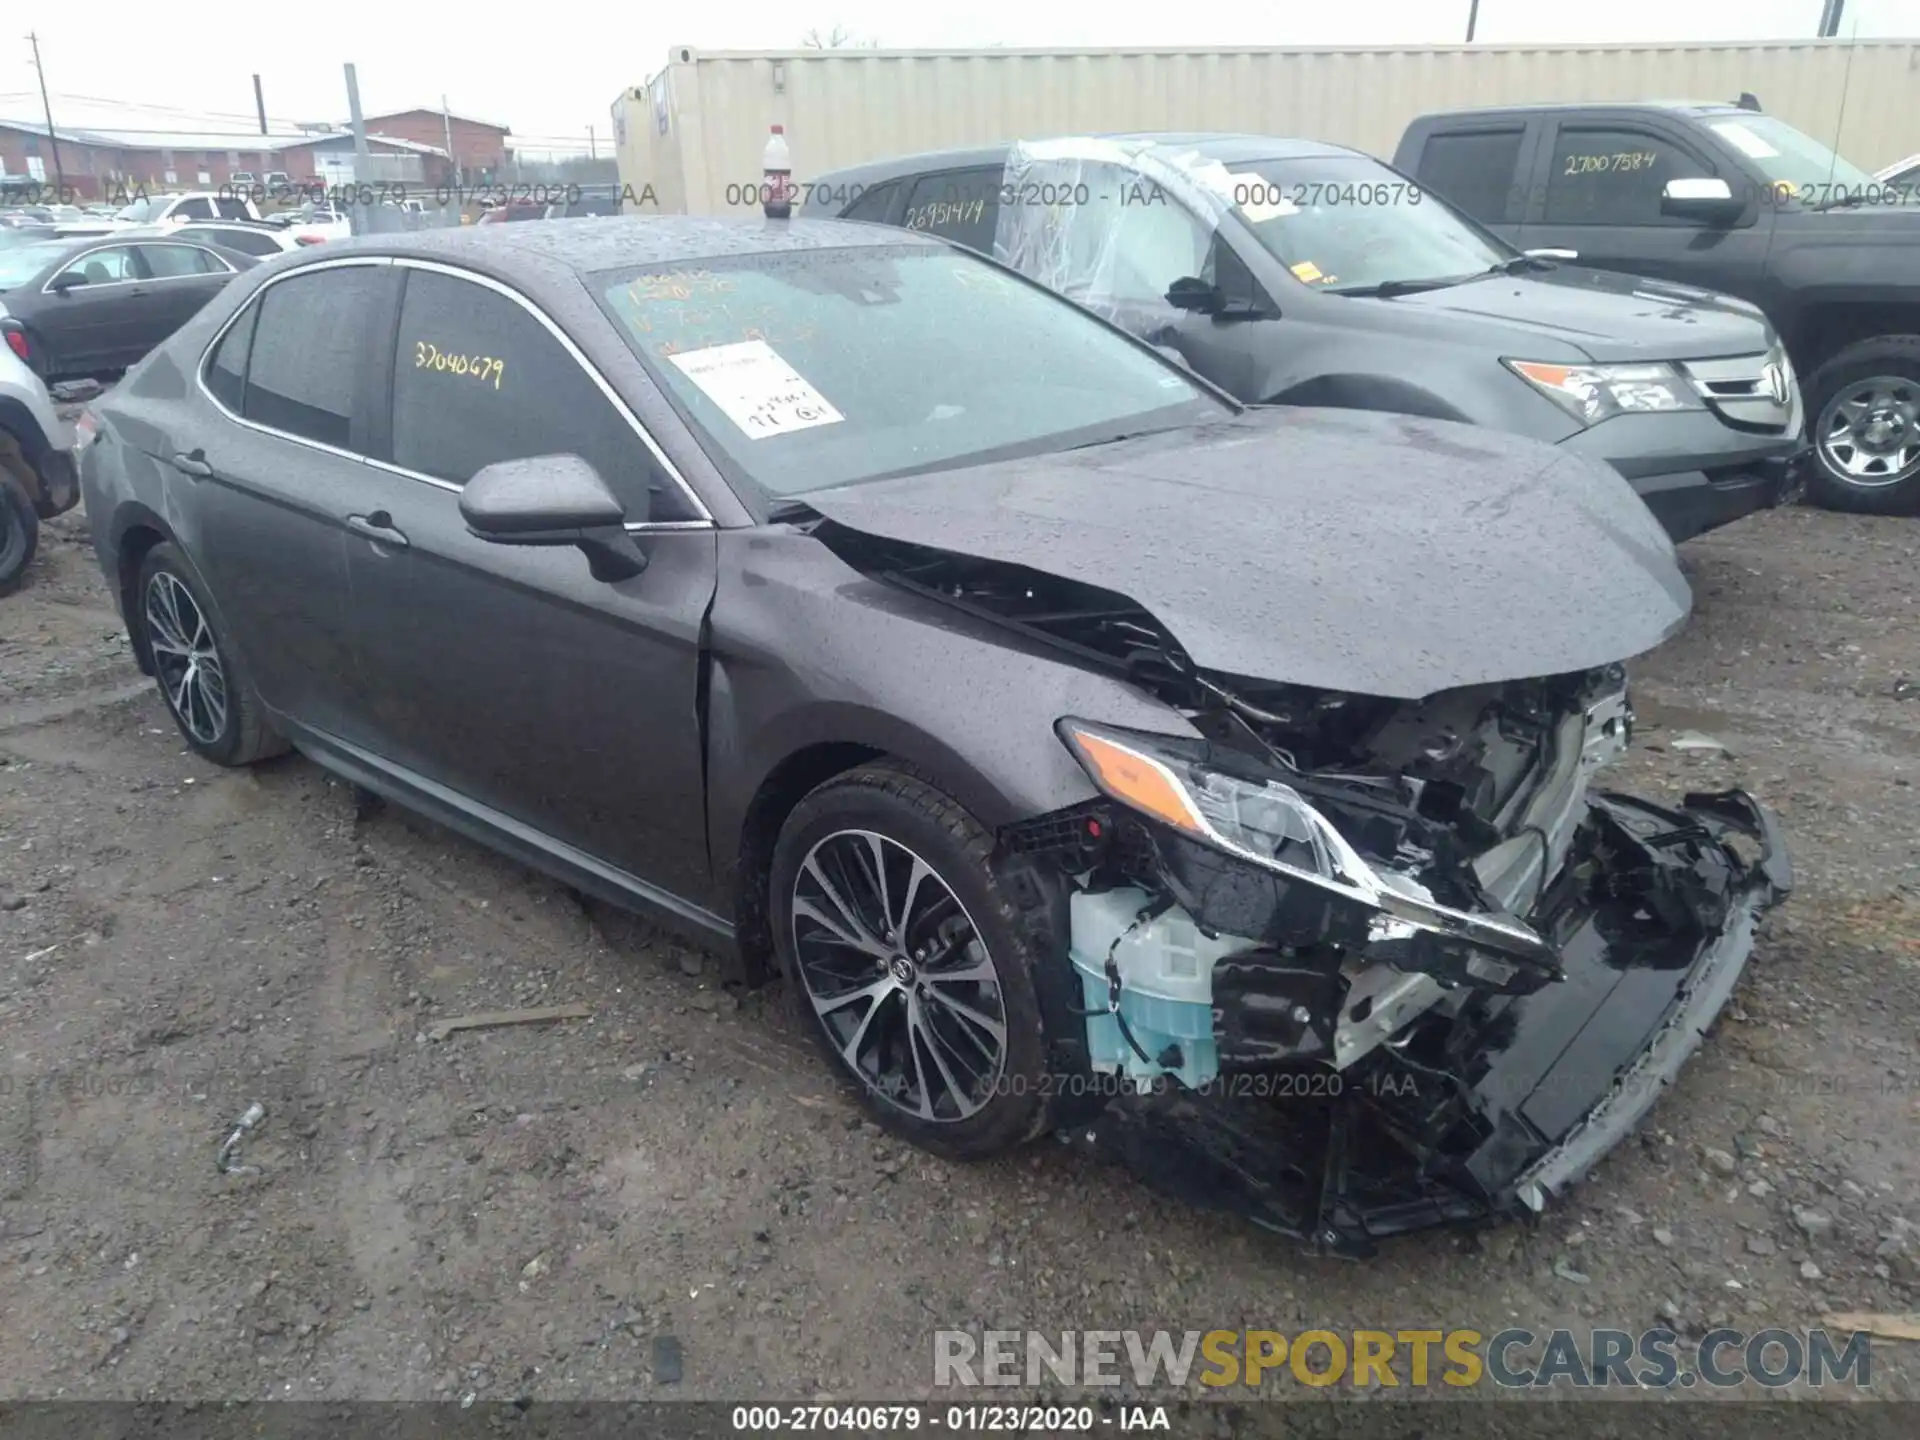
{"x": 105, "y": 267}
{"x": 165, "y": 262}
{"x": 1129, "y": 239}
{"x": 311, "y": 344}
{"x": 231, "y": 207}
{"x": 1347, "y": 223}
{"x": 1614, "y": 176}
{"x": 478, "y": 379}
{"x": 247, "y": 242}
{"x": 814, "y": 368}
{"x": 198, "y": 208}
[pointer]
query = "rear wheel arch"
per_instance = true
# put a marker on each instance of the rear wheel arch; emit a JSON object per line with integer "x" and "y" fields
{"x": 136, "y": 538}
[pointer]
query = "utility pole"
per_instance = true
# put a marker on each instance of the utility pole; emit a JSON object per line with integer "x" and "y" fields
{"x": 46, "y": 108}
{"x": 446, "y": 119}
{"x": 1830, "y": 18}
{"x": 1473, "y": 19}
{"x": 593, "y": 148}
{"x": 260, "y": 104}
{"x": 360, "y": 152}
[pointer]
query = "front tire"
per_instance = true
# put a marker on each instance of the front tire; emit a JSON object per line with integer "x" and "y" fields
{"x": 1865, "y": 404}
{"x": 905, "y": 959}
{"x": 205, "y": 682}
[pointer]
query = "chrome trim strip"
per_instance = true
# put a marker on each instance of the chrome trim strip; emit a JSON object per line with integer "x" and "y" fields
{"x": 580, "y": 359}
{"x": 633, "y": 527}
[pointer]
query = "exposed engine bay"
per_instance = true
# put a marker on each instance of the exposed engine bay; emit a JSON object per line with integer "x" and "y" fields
{"x": 1367, "y": 963}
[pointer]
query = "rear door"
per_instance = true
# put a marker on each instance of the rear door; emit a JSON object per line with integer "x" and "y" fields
{"x": 1481, "y": 168}
{"x": 182, "y": 278}
{"x": 508, "y": 673}
{"x": 1597, "y": 190}
{"x": 289, "y": 378}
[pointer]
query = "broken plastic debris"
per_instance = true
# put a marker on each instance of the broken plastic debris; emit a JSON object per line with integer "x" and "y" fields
{"x": 1887, "y": 1327}
{"x": 493, "y": 1019}
{"x": 1698, "y": 741}
{"x": 256, "y": 1112}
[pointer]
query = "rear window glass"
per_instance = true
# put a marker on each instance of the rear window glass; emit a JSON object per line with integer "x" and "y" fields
{"x": 310, "y": 346}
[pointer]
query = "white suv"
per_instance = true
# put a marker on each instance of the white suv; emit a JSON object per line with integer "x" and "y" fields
{"x": 182, "y": 209}
{"x": 38, "y": 479}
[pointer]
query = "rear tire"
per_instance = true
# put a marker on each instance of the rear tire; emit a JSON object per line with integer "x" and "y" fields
{"x": 1865, "y": 404}
{"x": 923, "y": 1002}
{"x": 202, "y": 676}
{"x": 19, "y": 532}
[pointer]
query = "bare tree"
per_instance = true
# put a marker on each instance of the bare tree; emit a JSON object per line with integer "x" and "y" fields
{"x": 838, "y": 38}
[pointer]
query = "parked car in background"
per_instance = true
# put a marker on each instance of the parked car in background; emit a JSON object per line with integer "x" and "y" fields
{"x": 584, "y": 207}
{"x": 242, "y": 179}
{"x": 315, "y": 225}
{"x": 179, "y": 209}
{"x": 1294, "y": 272}
{"x": 259, "y": 241}
{"x": 1735, "y": 200}
{"x": 1903, "y": 174}
{"x": 848, "y": 600}
{"x": 82, "y": 307}
{"x": 514, "y": 210}
{"x": 38, "y": 479}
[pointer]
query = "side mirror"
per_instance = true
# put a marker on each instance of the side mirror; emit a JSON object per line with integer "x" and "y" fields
{"x": 1707, "y": 199}
{"x": 66, "y": 280}
{"x": 553, "y": 500}
{"x": 1190, "y": 293}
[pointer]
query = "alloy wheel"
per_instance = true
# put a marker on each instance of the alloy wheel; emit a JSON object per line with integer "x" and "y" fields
{"x": 185, "y": 658}
{"x": 1869, "y": 433}
{"x": 899, "y": 976}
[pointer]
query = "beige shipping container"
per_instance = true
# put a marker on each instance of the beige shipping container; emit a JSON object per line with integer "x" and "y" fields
{"x": 698, "y": 127}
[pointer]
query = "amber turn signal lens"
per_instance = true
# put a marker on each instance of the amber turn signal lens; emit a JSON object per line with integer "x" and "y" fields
{"x": 1137, "y": 780}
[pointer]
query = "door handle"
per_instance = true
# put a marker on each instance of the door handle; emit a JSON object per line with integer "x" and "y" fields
{"x": 379, "y": 528}
{"x": 193, "y": 463}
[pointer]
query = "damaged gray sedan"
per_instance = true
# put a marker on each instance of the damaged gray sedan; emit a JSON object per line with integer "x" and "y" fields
{"x": 1086, "y": 750}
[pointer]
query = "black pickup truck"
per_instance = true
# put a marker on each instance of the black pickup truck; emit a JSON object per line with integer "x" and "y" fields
{"x": 1730, "y": 199}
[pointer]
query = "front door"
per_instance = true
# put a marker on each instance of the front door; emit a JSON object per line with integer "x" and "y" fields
{"x": 505, "y": 673}
{"x": 96, "y": 324}
{"x": 1598, "y": 189}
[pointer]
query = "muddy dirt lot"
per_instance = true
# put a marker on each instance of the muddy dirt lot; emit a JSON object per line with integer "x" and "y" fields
{"x": 583, "y": 1209}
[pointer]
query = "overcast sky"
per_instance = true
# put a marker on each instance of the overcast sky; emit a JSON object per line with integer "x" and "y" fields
{"x": 552, "y": 71}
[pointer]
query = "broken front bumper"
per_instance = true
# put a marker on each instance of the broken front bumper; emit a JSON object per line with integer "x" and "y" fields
{"x": 1492, "y": 1106}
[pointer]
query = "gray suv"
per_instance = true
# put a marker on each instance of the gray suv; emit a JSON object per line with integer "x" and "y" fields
{"x": 1307, "y": 274}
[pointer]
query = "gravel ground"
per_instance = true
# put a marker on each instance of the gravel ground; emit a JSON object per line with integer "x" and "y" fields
{"x": 581, "y": 1209}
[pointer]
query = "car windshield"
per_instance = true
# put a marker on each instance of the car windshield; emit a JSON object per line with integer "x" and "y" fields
{"x": 1346, "y": 223}
{"x": 1792, "y": 161}
{"x": 143, "y": 211}
{"x": 20, "y": 263}
{"x": 814, "y": 368}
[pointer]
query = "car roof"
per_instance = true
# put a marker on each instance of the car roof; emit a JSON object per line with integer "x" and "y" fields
{"x": 1671, "y": 107}
{"x": 1226, "y": 146}
{"x": 547, "y": 262}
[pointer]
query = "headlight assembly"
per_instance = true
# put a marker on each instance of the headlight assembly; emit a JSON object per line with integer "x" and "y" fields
{"x": 1270, "y": 824}
{"x": 1592, "y": 393}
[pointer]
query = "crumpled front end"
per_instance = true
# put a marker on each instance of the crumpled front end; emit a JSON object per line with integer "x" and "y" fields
{"x": 1363, "y": 967}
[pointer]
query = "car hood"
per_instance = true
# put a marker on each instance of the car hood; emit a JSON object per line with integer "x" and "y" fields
{"x": 1603, "y": 315}
{"x": 1374, "y": 554}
